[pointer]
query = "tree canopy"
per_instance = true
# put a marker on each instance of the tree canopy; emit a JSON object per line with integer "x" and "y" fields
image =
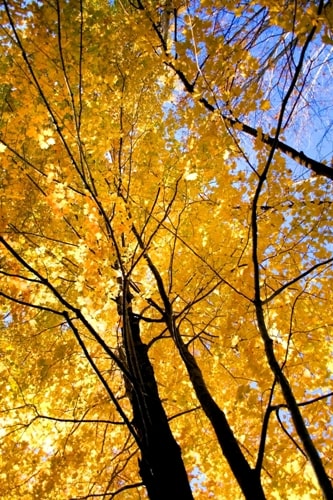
{"x": 166, "y": 249}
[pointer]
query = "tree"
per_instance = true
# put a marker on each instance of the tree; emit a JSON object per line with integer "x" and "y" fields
{"x": 166, "y": 253}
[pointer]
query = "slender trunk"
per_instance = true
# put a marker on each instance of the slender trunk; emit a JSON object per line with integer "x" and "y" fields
{"x": 300, "y": 426}
{"x": 247, "y": 478}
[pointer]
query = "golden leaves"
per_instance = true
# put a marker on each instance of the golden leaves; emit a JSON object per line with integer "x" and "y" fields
{"x": 46, "y": 139}
{"x": 129, "y": 150}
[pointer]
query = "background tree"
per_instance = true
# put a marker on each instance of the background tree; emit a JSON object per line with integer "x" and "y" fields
{"x": 166, "y": 252}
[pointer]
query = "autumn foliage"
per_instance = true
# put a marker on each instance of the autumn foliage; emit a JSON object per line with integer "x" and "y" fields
{"x": 166, "y": 246}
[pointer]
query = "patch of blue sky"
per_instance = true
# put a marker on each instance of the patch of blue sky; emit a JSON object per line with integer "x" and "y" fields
{"x": 7, "y": 319}
{"x": 198, "y": 480}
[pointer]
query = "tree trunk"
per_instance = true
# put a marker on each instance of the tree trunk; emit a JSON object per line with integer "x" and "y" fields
{"x": 161, "y": 466}
{"x": 247, "y": 478}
